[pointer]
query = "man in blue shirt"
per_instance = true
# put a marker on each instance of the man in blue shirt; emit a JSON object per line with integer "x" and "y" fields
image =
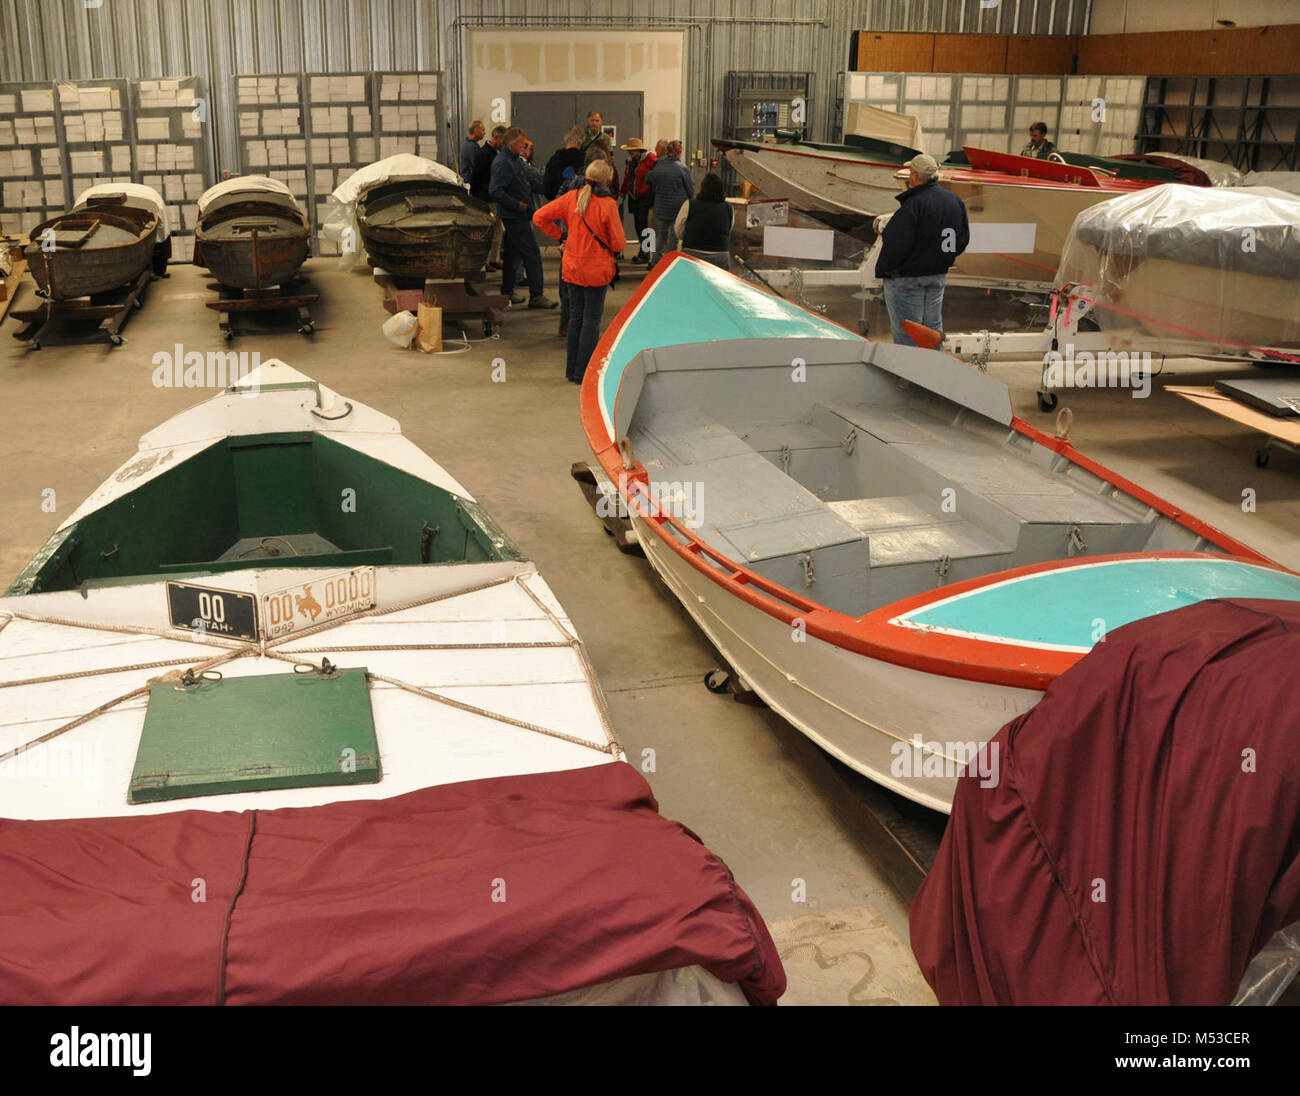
{"x": 469, "y": 149}
{"x": 513, "y": 184}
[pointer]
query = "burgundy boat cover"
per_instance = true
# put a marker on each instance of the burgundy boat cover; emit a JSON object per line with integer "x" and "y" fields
{"x": 1143, "y": 840}
{"x": 480, "y": 892}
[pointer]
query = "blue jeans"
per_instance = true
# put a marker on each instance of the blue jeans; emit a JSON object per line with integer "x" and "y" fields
{"x": 665, "y": 241}
{"x": 917, "y": 299}
{"x": 586, "y": 303}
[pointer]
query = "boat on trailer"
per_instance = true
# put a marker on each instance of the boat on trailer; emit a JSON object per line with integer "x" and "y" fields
{"x": 280, "y": 677}
{"x": 858, "y": 181}
{"x": 105, "y": 242}
{"x": 872, "y": 539}
{"x": 252, "y": 234}
{"x": 422, "y": 227}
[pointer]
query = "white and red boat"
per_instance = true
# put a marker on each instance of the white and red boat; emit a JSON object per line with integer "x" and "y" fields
{"x": 871, "y": 538}
{"x": 1020, "y": 208}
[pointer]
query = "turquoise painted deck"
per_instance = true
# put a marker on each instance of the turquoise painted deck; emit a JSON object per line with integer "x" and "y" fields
{"x": 698, "y": 302}
{"x": 1059, "y": 608}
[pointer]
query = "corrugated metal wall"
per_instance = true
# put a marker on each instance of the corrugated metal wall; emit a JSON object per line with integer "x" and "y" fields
{"x": 64, "y": 39}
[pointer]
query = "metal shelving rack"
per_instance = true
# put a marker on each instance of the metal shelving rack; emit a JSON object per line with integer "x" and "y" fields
{"x": 325, "y": 148}
{"x": 32, "y": 187}
{"x": 335, "y": 152}
{"x": 1252, "y": 122}
{"x": 95, "y": 133}
{"x": 171, "y": 150}
{"x": 756, "y": 104}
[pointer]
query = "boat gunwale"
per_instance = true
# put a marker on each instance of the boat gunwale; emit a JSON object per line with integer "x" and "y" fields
{"x": 999, "y": 663}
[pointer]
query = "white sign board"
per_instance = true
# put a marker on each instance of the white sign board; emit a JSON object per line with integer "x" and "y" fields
{"x": 1002, "y": 239}
{"x": 799, "y": 243}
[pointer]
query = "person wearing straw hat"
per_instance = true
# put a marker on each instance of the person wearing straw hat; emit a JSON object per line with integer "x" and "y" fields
{"x": 918, "y": 245}
{"x": 636, "y": 205}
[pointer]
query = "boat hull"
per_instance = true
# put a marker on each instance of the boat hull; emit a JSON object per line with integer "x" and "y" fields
{"x": 819, "y": 688}
{"x": 256, "y": 259}
{"x": 409, "y": 245}
{"x": 851, "y": 188}
{"x": 64, "y": 275}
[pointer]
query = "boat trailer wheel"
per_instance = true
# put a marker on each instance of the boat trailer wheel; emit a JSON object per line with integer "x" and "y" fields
{"x": 116, "y": 340}
{"x": 1047, "y": 401}
{"x": 1261, "y": 458}
{"x": 35, "y": 344}
{"x": 306, "y": 329}
{"x": 717, "y": 681}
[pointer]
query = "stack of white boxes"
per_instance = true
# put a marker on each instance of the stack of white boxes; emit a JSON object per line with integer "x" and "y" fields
{"x": 31, "y": 173}
{"x": 170, "y": 120}
{"x": 342, "y": 134}
{"x": 271, "y": 140}
{"x": 97, "y": 148}
{"x": 408, "y": 114}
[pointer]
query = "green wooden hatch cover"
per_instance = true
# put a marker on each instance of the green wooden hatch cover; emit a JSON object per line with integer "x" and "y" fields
{"x": 285, "y": 730}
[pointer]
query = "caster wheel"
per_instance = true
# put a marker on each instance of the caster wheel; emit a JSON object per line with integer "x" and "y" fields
{"x": 137, "y": 304}
{"x": 116, "y": 340}
{"x": 1047, "y": 401}
{"x": 1261, "y": 458}
{"x": 230, "y": 336}
{"x": 36, "y": 344}
{"x": 487, "y": 330}
{"x": 717, "y": 681}
{"x": 306, "y": 329}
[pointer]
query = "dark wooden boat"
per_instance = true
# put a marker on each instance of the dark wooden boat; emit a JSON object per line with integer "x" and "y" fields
{"x": 252, "y": 234}
{"x": 424, "y": 228}
{"x": 105, "y": 242}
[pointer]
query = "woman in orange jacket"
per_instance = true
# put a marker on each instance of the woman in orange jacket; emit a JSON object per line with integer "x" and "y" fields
{"x": 594, "y": 240}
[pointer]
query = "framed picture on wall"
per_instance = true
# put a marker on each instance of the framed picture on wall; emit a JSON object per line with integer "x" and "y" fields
{"x": 612, "y": 133}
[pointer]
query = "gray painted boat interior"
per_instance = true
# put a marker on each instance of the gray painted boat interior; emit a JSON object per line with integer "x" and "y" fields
{"x": 860, "y": 485}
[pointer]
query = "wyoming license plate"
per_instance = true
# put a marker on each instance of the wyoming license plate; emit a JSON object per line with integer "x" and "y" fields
{"x": 308, "y": 603}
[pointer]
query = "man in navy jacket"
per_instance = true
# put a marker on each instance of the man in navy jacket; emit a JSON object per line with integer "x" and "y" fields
{"x": 514, "y": 182}
{"x": 918, "y": 245}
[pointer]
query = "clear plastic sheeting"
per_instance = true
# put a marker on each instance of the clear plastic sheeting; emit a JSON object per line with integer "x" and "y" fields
{"x": 683, "y": 986}
{"x": 1220, "y": 175}
{"x": 1272, "y": 970}
{"x": 1183, "y": 269}
{"x": 1288, "y": 181}
{"x": 137, "y": 194}
{"x": 340, "y": 223}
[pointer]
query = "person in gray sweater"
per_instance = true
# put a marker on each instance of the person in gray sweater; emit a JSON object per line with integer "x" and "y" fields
{"x": 670, "y": 185}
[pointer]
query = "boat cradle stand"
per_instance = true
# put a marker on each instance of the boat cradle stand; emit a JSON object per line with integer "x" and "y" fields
{"x": 232, "y": 300}
{"x": 459, "y": 298}
{"x": 111, "y": 309}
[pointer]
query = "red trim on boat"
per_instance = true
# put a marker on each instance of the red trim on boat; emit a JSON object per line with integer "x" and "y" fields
{"x": 872, "y": 635}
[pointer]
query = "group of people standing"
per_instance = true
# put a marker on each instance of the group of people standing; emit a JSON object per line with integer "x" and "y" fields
{"x": 583, "y": 201}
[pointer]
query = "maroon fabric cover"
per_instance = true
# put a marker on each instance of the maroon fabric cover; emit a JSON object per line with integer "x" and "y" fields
{"x": 375, "y": 902}
{"x": 1130, "y": 771}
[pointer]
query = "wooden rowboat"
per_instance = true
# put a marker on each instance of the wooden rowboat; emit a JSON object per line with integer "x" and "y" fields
{"x": 873, "y": 540}
{"x": 282, "y": 675}
{"x": 425, "y": 228}
{"x": 103, "y": 243}
{"x": 251, "y": 234}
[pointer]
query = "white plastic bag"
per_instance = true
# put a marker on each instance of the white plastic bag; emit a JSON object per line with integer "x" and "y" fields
{"x": 400, "y": 330}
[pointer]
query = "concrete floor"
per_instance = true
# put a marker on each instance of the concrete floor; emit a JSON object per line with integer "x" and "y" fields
{"x": 755, "y": 790}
